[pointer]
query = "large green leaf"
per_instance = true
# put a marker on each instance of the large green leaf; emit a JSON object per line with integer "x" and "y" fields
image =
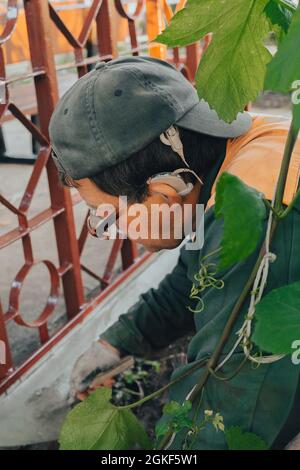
{"x": 278, "y": 320}
{"x": 243, "y": 211}
{"x": 232, "y": 70}
{"x": 96, "y": 424}
{"x": 280, "y": 14}
{"x": 284, "y": 70}
{"x": 238, "y": 440}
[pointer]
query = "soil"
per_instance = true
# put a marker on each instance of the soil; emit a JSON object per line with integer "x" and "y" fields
{"x": 149, "y": 412}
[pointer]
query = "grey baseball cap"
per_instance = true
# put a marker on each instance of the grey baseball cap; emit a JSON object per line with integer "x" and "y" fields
{"x": 121, "y": 106}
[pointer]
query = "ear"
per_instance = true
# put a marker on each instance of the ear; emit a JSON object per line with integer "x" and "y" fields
{"x": 166, "y": 191}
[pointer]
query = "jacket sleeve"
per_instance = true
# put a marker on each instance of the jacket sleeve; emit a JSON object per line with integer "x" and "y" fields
{"x": 158, "y": 318}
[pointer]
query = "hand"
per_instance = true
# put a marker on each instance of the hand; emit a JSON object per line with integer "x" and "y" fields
{"x": 100, "y": 356}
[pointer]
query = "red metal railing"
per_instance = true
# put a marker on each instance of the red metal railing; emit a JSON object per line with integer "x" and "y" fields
{"x": 41, "y": 15}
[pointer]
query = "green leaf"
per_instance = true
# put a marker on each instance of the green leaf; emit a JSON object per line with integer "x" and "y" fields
{"x": 243, "y": 211}
{"x": 296, "y": 115}
{"x": 155, "y": 364}
{"x": 231, "y": 72}
{"x": 284, "y": 69}
{"x": 96, "y": 424}
{"x": 176, "y": 417}
{"x": 280, "y": 15}
{"x": 163, "y": 427}
{"x": 287, "y": 59}
{"x": 278, "y": 320}
{"x": 174, "y": 408}
{"x": 238, "y": 440}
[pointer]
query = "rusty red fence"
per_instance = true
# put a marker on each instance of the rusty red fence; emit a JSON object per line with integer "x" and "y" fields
{"x": 40, "y": 16}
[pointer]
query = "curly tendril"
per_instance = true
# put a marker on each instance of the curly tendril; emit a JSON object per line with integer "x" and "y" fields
{"x": 205, "y": 278}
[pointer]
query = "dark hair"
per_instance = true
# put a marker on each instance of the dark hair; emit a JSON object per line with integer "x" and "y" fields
{"x": 129, "y": 177}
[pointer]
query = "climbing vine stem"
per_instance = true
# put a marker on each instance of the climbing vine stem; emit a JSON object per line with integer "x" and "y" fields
{"x": 290, "y": 206}
{"x": 197, "y": 365}
{"x": 290, "y": 143}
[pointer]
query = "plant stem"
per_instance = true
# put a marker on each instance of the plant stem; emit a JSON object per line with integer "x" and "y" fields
{"x": 288, "y": 151}
{"x": 198, "y": 364}
{"x": 269, "y": 206}
{"x": 131, "y": 392}
{"x": 290, "y": 206}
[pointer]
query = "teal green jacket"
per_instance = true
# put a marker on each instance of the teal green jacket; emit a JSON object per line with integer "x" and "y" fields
{"x": 258, "y": 399}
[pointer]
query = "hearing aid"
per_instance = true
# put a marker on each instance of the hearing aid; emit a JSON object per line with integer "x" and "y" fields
{"x": 174, "y": 180}
{"x": 172, "y": 138}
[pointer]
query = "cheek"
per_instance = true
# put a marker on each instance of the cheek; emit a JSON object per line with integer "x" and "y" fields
{"x": 143, "y": 226}
{"x": 145, "y": 223}
{"x": 148, "y": 225}
{"x": 135, "y": 221}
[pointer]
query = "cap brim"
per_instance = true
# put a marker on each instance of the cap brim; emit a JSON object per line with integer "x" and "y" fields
{"x": 201, "y": 118}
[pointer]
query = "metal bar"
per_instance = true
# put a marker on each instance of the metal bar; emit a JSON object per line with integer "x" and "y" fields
{"x": 11, "y": 21}
{"x": 106, "y": 57}
{"x": 27, "y": 249}
{"x": 6, "y": 360}
{"x": 79, "y": 59}
{"x": 40, "y": 164}
{"x": 94, "y": 275}
{"x": 193, "y": 54}
{"x": 87, "y": 61}
{"x": 80, "y": 6}
{"x": 29, "y": 125}
{"x": 9, "y": 206}
{"x": 34, "y": 223}
{"x": 83, "y": 234}
{"x": 38, "y": 25}
{"x": 25, "y": 76}
{"x": 85, "y": 311}
{"x": 131, "y": 21}
{"x": 155, "y": 25}
{"x": 63, "y": 28}
{"x": 133, "y": 37}
{"x": 91, "y": 16}
{"x": 106, "y": 45}
{"x": 129, "y": 253}
{"x": 118, "y": 243}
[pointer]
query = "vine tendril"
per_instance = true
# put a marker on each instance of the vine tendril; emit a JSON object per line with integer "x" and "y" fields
{"x": 205, "y": 278}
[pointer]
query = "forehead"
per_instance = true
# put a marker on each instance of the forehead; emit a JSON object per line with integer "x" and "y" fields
{"x": 93, "y": 195}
